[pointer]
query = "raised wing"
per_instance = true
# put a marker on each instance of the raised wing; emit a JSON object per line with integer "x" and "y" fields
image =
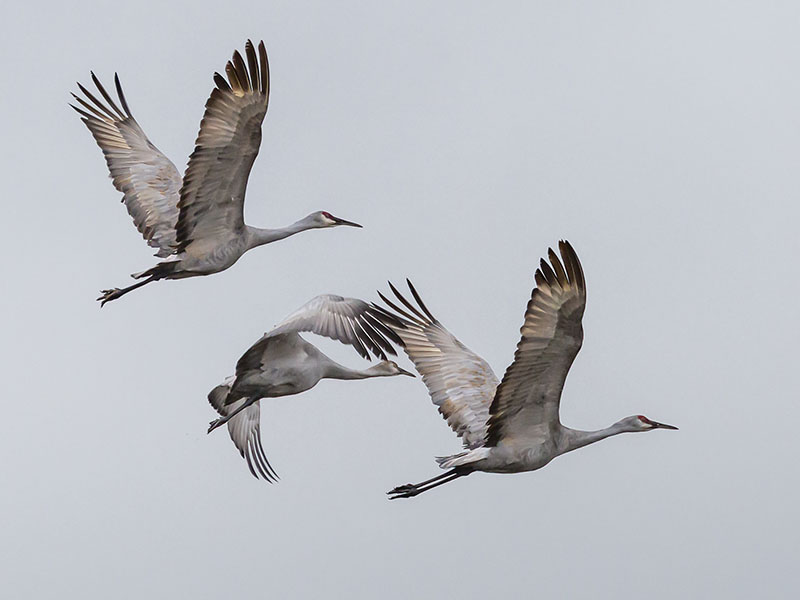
{"x": 527, "y": 400}
{"x": 147, "y": 179}
{"x": 347, "y": 320}
{"x": 212, "y": 197}
{"x": 245, "y": 430}
{"x": 460, "y": 382}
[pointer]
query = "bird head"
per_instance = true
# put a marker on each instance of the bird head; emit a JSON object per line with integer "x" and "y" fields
{"x": 322, "y": 219}
{"x": 642, "y": 423}
{"x": 389, "y": 368}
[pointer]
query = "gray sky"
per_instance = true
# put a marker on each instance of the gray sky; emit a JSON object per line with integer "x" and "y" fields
{"x": 661, "y": 139}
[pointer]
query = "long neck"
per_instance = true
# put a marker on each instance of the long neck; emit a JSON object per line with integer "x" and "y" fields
{"x": 336, "y": 371}
{"x": 259, "y": 237}
{"x": 578, "y": 439}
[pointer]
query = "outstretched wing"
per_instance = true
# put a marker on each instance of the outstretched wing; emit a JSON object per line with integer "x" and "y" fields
{"x": 147, "y": 179}
{"x": 459, "y": 381}
{"x": 212, "y": 197}
{"x": 245, "y": 430}
{"x": 527, "y": 400}
{"x": 347, "y": 320}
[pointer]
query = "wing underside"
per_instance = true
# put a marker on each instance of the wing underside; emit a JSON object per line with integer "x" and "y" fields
{"x": 461, "y": 384}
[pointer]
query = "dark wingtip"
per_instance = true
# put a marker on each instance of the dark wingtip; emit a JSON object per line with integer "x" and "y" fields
{"x": 84, "y": 115}
{"x": 221, "y": 82}
{"x": 399, "y": 310}
{"x": 572, "y": 263}
{"x": 419, "y": 301}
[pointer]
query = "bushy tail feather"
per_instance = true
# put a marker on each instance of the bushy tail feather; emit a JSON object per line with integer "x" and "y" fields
{"x": 443, "y": 461}
{"x": 218, "y": 396}
{"x": 462, "y": 458}
{"x": 161, "y": 271}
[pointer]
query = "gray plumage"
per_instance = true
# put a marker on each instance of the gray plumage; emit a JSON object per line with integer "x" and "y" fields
{"x": 512, "y": 426}
{"x": 282, "y": 363}
{"x": 198, "y": 221}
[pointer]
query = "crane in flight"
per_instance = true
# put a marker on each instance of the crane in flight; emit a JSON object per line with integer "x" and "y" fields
{"x": 513, "y": 425}
{"x": 196, "y": 223}
{"x": 282, "y": 363}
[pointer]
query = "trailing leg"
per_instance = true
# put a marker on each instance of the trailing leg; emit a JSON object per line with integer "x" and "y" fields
{"x": 411, "y": 490}
{"x": 410, "y": 486}
{"x": 163, "y": 270}
{"x": 222, "y": 420}
{"x": 113, "y": 294}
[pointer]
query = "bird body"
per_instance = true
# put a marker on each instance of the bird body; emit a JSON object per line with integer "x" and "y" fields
{"x": 513, "y": 425}
{"x": 282, "y": 363}
{"x": 291, "y": 365}
{"x": 196, "y": 222}
{"x": 536, "y": 450}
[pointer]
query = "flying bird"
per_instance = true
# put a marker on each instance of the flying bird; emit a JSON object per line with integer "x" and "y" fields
{"x": 196, "y": 223}
{"x": 513, "y": 425}
{"x": 282, "y": 363}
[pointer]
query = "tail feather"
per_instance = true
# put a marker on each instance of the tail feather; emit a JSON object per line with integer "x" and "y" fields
{"x": 462, "y": 458}
{"x": 218, "y": 396}
{"x": 161, "y": 271}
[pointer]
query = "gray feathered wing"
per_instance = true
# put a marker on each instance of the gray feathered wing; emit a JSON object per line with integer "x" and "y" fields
{"x": 245, "y": 430}
{"x": 212, "y": 196}
{"x": 346, "y": 320}
{"x": 461, "y": 384}
{"x": 148, "y": 180}
{"x": 527, "y": 400}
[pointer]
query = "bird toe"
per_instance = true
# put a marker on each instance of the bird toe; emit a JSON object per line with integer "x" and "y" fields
{"x": 401, "y": 489}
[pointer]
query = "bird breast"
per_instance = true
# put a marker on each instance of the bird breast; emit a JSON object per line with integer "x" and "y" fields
{"x": 212, "y": 256}
{"x": 515, "y": 459}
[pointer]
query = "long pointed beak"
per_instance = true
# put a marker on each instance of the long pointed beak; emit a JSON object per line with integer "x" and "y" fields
{"x": 664, "y": 426}
{"x": 404, "y": 372}
{"x": 343, "y": 222}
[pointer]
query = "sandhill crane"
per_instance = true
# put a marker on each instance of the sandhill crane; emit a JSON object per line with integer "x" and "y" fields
{"x": 513, "y": 425}
{"x": 282, "y": 363}
{"x": 199, "y": 221}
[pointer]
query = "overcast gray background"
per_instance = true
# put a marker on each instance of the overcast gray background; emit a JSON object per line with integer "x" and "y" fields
{"x": 661, "y": 139}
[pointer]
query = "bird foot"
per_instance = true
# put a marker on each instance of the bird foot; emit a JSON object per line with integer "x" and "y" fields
{"x": 214, "y": 424}
{"x": 409, "y": 494}
{"x": 402, "y": 488}
{"x": 108, "y": 295}
{"x": 408, "y": 490}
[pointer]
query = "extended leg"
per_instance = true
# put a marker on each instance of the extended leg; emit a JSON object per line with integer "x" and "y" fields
{"x": 222, "y": 420}
{"x": 409, "y": 490}
{"x": 109, "y": 295}
{"x": 410, "y": 486}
